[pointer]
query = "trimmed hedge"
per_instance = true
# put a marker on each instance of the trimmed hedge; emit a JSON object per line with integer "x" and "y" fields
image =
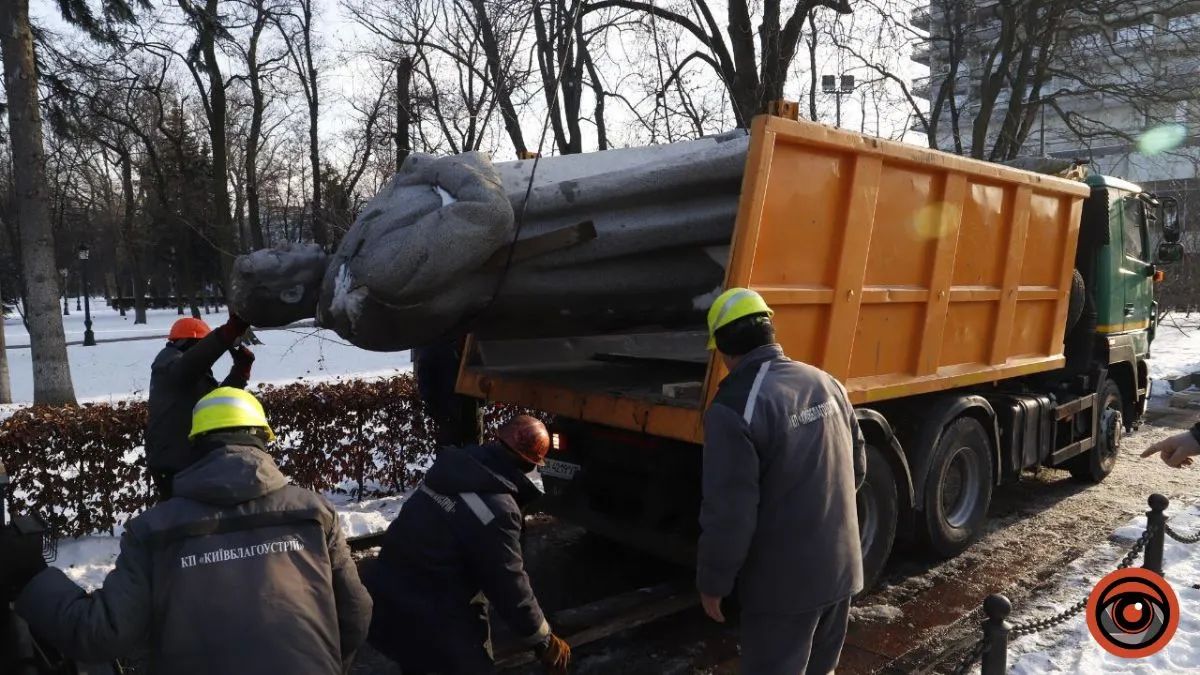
{"x": 83, "y": 469}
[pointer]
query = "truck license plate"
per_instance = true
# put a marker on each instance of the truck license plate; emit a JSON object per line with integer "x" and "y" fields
{"x": 559, "y": 469}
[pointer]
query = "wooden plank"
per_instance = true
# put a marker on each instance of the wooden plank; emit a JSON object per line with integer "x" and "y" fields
{"x": 524, "y": 249}
{"x": 1007, "y": 310}
{"x": 942, "y": 276}
{"x": 609, "y": 616}
{"x": 1072, "y": 224}
{"x": 852, "y": 266}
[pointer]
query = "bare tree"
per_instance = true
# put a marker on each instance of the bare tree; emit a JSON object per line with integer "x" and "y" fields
{"x": 296, "y": 28}
{"x": 754, "y": 74}
{"x": 204, "y": 66}
{"x": 51, "y": 370}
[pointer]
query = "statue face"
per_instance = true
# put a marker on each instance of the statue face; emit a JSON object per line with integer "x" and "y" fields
{"x": 275, "y": 287}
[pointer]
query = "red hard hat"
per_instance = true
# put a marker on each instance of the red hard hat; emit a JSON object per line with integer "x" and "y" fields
{"x": 527, "y": 437}
{"x": 188, "y": 328}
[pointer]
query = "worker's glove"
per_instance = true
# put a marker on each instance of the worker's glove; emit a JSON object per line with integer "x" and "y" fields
{"x": 20, "y": 561}
{"x": 232, "y": 329}
{"x": 555, "y": 654}
{"x": 243, "y": 361}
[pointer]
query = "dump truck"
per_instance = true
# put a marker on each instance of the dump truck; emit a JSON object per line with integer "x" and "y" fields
{"x": 985, "y": 320}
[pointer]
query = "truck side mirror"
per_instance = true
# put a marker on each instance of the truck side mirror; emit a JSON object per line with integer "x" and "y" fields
{"x": 1170, "y": 251}
{"x": 1171, "y": 228}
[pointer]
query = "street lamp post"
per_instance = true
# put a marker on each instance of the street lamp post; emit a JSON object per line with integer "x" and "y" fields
{"x": 63, "y": 272}
{"x": 839, "y": 87}
{"x": 89, "y": 338}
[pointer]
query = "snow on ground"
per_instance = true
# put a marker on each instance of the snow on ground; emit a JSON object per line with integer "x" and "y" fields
{"x": 1070, "y": 648}
{"x": 1175, "y": 351}
{"x": 114, "y": 370}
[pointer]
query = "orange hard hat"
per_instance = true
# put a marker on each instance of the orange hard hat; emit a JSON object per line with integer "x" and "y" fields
{"x": 527, "y": 437}
{"x": 188, "y": 328}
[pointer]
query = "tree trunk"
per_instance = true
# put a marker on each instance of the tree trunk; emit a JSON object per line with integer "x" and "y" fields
{"x": 403, "y": 110}
{"x": 320, "y": 229}
{"x": 132, "y": 249}
{"x": 257, "y": 108}
{"x": 5, "y": 389}
{"x": 51, "y": 370}
{"x": 500, "y": 78}
{"x": 219, "y": 181}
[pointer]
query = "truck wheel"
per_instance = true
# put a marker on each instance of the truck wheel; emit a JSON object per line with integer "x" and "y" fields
{"x": 1094, "y": 465}
{"x": 878, "y": 511}
{"x": 958, "y": 488}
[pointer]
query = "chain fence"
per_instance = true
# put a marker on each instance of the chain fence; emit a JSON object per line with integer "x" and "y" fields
{"x": 992, "y": 647}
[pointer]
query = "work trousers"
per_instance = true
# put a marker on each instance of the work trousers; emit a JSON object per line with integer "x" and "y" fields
{"x": 792, "y": 644}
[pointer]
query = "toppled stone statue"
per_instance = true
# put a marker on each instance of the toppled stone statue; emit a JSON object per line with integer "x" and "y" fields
{"x": 614, "y": 240}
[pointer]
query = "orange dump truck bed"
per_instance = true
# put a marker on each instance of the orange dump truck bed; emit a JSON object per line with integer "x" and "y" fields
{"x": 897, "y": 269}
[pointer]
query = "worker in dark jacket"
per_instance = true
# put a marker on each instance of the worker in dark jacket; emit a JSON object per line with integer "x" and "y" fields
{"x": 180, "y": 376}
{"x": 783, "y": 457}
{"x": 456, "y": 418}
{"x": 238, "y": 573}
{"x": 456, "y": 546}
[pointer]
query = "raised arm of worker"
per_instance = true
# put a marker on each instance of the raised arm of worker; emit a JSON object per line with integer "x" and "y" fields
{"x": 111, "y": 622}
{"x": 353, "y": 602}
{"x": 729, "y": 510}
{"x": 199, "y": 360}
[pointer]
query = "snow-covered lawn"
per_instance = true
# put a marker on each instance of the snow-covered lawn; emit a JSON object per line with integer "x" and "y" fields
{"x": 1175, "y": 351}
{"x": 112, "y": 370}
{"x": 1070, "y": 648}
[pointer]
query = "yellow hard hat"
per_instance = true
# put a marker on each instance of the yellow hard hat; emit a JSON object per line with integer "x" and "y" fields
{"x": 228, "y": 408}
{"x": 732, "y": 305}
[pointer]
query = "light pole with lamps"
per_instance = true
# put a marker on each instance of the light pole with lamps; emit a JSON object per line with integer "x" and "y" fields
{"x": 89, "y": 338}
{"x": 63, "y": 272}
{"x": 830, "y": 84}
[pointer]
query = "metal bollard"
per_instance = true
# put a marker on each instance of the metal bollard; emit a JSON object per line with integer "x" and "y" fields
{"x": 1156, "y": 522}
{"x": 994, "y": 660}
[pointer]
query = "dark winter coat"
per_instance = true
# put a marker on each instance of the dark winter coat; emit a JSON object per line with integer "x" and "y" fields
{"x": 238, "y": 573}
{"x": 783, "y": 456}
{"x": 456, "y": 541}
{"x": 456, "y": 417}
{"x": 178, "y": 380}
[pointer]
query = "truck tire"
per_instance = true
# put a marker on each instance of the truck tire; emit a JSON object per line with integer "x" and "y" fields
{"x": 878, "y": 512}
{"x": 958, "y": 488}
{"x": 1094, "y": 465}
